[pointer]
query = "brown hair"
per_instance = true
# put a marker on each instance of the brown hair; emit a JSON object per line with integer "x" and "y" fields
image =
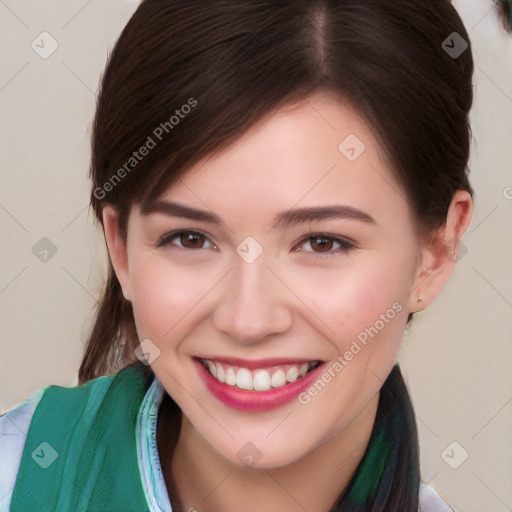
{"x": 204, "y": 72}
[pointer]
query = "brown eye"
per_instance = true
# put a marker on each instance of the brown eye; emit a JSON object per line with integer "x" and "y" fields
{"x": 192, "y": 240}
{"x": 321, "y": 244}
{"x": 325, "y": 245}
{"x": 185, "y": 239}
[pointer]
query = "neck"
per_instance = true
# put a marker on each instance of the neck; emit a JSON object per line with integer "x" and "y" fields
{"x": 200, "y": 478}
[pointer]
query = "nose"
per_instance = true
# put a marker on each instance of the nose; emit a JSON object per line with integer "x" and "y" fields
{"x": 253, "y": 303}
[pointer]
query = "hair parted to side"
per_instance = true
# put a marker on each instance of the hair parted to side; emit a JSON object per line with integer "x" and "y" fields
{"x": 234, "y": 63}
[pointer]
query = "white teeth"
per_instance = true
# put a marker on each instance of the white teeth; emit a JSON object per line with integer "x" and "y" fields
{"x": 278, "y": 380}
{"x": 220, "y": 373}
{"x": 231, "y": 376}
{"x": 261, "y": 380}
{"x": 244, "y": 379}
{"x": 213, "y": 368}
{"x": 292, "y": 374}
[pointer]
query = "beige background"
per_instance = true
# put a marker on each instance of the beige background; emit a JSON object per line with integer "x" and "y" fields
{"x": 456, "y": 358}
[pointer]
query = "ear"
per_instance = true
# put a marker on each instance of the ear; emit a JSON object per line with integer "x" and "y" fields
{"x": 116, "y": 248}
{"x": 441, "y": 252}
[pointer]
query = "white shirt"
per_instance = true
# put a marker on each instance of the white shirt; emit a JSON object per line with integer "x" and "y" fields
{"x": 15, "y": 423}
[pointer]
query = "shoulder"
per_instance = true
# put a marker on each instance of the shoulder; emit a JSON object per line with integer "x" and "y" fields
{"x": 430, "y": 501}
{"x": 84, "y": 401}
{"x": 14, "y": 425}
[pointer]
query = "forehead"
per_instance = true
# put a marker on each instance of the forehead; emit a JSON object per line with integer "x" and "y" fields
{"x": 315, "y": 152}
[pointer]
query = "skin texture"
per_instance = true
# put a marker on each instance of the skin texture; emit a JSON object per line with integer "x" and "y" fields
{"x": 205, "y": 300}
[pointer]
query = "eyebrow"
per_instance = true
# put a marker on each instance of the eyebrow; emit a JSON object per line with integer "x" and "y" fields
{"x": 286, "y": 218}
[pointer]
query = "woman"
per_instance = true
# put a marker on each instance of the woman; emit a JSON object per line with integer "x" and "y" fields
{"x": 281, "y": 186}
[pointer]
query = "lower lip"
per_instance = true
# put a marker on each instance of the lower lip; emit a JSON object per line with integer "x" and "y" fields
{"x": 245, "y": 400}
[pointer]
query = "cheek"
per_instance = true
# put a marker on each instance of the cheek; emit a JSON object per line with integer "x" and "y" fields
{"x": 363, "y": 300}
{"x": 166, "y": 297}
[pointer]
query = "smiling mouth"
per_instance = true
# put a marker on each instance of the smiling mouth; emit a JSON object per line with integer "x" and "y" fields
{"x": 259, "y": 379}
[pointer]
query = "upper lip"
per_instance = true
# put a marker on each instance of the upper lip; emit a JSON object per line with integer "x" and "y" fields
{"x": 252, "y": 364}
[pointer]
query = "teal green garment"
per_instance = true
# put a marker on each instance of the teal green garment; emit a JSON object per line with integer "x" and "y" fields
{"x": 85, "y": 436}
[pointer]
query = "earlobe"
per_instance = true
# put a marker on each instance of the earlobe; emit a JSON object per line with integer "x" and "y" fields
{"x": 441, "y": 253}
{"x": 116, "y": 246}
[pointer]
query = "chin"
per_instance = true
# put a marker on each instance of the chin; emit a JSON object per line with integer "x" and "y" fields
{"x": 259, "y": 453}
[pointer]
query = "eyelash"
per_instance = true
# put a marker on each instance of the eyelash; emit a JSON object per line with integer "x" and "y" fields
{"x": 345, "y": 245}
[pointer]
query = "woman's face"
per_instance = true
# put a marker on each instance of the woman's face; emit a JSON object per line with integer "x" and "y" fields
{"x": 258, "y": 301}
